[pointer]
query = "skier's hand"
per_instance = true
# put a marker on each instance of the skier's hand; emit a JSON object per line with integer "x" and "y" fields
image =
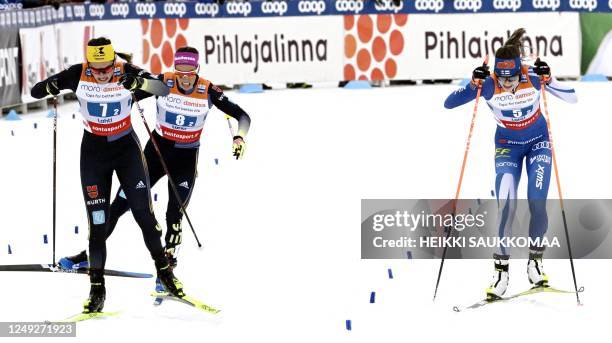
{"x": 52, "y": 87}
{"x": 131, "y": 82}
{"x": 238, "y": 147}
{"x": 542, "y": 69}
{"x": 480, "y": 74}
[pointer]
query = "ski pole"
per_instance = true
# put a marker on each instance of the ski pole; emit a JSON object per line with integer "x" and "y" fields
{"x": 54, "y": 172}
{"x": 465, "y": 155}
{"x": 554, "y": 159}
{"x": 163, "y": 163}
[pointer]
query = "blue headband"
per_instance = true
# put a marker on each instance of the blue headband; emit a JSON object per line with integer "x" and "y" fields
{"x": 507, "y": 67}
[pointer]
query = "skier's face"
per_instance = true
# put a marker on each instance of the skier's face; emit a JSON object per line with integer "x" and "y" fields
{"x": 102, "y": 71}
{"x": 185, "y": 75}
{"x": 509, "y": 83}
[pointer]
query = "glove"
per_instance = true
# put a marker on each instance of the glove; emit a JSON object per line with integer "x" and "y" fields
{"x": 480, "y": 74}
{"x": 52, "y": 87}
{"x": 238, "y": 147}
{"x": 131, "y": 82}
{"x": 542, "y": 69}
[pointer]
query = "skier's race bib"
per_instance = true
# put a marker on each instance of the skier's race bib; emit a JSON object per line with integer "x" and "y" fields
{"x": 180, "y": 117}
{"x": 105, "y": 107}
{"x": 517, "y": 110}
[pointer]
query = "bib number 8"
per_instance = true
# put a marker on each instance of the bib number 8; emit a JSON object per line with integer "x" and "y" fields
{"x": 180, "y": 119}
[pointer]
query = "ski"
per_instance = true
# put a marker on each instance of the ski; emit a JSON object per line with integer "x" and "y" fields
{"x": 57, "y": 269}
{"x": 79, "y": 317}
{"x": 533, "y": 290}
{"x": 186, "y": 300}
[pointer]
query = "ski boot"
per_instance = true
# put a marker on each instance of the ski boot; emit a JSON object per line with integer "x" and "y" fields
{"x": 535, "y": 270}
{"x": 77, "y": 261}
{"x": 97, "y": 293}
{"x": 165, "y": 275}
{"x": 501, "y": 278}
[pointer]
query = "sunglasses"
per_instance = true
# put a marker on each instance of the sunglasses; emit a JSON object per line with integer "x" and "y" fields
{"x": 503, "y": 79}
{"x": 186, "y": 73}
{"x": 104, "y": 70}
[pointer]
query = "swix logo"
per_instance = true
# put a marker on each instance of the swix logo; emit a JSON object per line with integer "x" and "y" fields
{"x": 429, "y": 5}
{"x": 540, "y": 176}
{"x": 96, "y": 11}
{"x": 388, "y": 5}
{"x": 92, "y": 191}
{"x": 175, "y": 8}
{"x": 120, "y": 10}
{"x": 276, "y": 7}
{"x": 354, "y": 6}
{"x": 146, "y": 9}
{"x": 507, "y": 5}
{"x": 317, "y": 7}
{"x": 473, "y": 5}
{"x": 546, "y": 4}
{"x": 211, "y": 9}
{"x": 589, "y": 5}
{"x": 79, "y": 11}
{"x": 243, "y": 8}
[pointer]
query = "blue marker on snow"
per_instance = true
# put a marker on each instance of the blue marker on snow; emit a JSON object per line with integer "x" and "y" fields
{"x": 372, "y": 297}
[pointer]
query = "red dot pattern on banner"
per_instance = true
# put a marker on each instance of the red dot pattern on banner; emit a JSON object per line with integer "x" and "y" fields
{"x": 349, "y": 72}
{"x": 157, "y": 33}
{"x": 390, "y": 68}
{"x": 379, "y": 49}
{"x": 378, "y": 41}
{"x": 383, "y": 22}
{"x": 167, "y": 54}
{"x": 183, "y": 23}
{"x": 160, "y": 42}
{"x": 363, "y": 60}
{"x": 349, "y": 21}
{"x": 350, "y": 46}
{"x": 180, "y": 41}
{"x": 170, "y": 27}
{"x": 365, "y": 27}
{"x": 400, "y": 19}
{"x": 155, "y": 65}
{"x": 377, "y": 75}
{"x": 145, "y": 26}
{"x": 145, "y": 51}
{"x": 397, "y": 42}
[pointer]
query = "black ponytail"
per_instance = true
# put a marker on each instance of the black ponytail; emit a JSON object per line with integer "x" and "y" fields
{"x": 512, "y": 47}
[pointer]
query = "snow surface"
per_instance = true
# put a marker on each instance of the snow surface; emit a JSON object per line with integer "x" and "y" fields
{"x": 281, "y": 228}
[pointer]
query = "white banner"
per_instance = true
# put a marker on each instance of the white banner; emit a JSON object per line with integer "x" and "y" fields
{"x": 253, "y": 50}
{"x": 449, "y": 46}
{"x": 310, "y": 49}
{"x": 40, "y": 57}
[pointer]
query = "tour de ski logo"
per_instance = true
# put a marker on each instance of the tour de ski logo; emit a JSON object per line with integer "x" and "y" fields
{"x": 372, "y": 45}
{"x": 161, "y": 37}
